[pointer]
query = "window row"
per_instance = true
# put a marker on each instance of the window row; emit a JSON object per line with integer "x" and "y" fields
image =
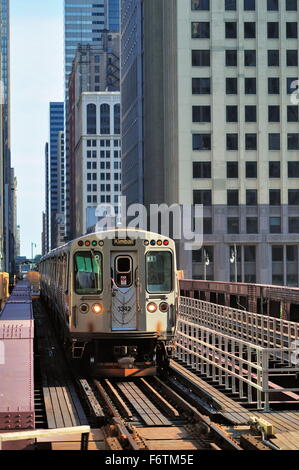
{"x": 203, "y": 86}
{"x": 202, "y": 58}
{"x": 201, "y": 30}
{"x": 203, "y": 114}
{"x": 103, "y": 165}
{"x": 105, "y": 119}
{"x": 252, "y": 225}
{"x": 204, "y": 197}
{"x": 104, "y": 176}
{"x": 203, "y": 142}
{"x": 248, "y": 5}
{"x": 204, "y": 170}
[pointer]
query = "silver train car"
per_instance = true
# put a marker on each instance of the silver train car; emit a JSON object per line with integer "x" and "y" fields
{"x": 114, "y": 295}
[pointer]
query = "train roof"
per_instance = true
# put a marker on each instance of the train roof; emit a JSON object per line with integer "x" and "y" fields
{"x": 105, "y": 234}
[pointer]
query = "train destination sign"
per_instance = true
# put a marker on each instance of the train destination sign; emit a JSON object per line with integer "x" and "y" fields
{"x": 124, "y": 242}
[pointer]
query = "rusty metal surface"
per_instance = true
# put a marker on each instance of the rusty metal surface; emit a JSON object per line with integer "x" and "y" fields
{"x": 279, "y": 293}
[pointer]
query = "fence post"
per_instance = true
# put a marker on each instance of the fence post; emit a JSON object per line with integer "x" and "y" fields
{"x": 265, "y": 374}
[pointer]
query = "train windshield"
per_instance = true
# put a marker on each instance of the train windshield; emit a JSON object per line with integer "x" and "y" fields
{"x": 88, "y": 272}
{"x": 159, "y": 271}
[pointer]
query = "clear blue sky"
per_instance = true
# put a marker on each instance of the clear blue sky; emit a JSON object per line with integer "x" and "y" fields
{"x": 36, "y": 79}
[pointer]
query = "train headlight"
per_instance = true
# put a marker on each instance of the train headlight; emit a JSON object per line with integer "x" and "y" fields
{"x": 84, "y": 308}
{"x": 152, "y": 307}
{"x": 97, "y": 308}
{"x": 164, "y": 307}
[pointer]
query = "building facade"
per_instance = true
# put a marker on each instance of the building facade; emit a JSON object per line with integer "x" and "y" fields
{"x": 85, "y": 22}
{"x": 54, "y": 158}
{"x": 95, "y": 69}
{"x": 97, "y": 157}
{"x": 230, "y": 128}
{"x": 7, "y": 223}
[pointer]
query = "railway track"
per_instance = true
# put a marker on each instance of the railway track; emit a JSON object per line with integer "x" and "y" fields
{"x": 140, "y": 412}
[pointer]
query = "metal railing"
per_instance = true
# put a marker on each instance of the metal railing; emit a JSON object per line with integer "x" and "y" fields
{"x": 240, "y": 366}
{"x": 261, "y": 330}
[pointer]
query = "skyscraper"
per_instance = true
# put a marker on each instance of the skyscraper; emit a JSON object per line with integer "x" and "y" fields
{"x": 7, "y": 198}
{"x": 84, "y": 23}
{"x": 220, "y": 120}
{"x": 56, "y": 126}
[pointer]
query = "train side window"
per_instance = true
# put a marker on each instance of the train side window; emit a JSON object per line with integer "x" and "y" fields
{"x": 159, "y": 272}
{"x": 88, "y": 272}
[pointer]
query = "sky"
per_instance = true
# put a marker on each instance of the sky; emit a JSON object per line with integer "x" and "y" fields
{"x": 36, "y": 79}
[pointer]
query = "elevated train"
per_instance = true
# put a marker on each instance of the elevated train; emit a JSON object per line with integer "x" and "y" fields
{"x": 114, "y": 295}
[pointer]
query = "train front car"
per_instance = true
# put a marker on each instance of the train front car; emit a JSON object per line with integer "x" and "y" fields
{"x": 124, "y": 302}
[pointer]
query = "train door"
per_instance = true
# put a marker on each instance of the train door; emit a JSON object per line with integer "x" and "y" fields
{"x": 124, "y": 309}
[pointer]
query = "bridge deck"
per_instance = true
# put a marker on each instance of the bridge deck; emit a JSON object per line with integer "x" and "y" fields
{"x": 236, "y": 414}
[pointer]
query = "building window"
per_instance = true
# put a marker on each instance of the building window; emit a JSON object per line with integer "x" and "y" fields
{"x": 273, "y": 58}
{"x": 201, "y": 169}
{"x": 250, "y": 113}
{"x": 251, "y": 169}
{"x": 201, "y": 86}
{"x": 232, "y": 170}
{"x": 291, "y": 85}
{"x": 200, "y": 4}
{"x": 293, "y": 197}
{"x": 252, "y": 224}
{"x": 207, "y": 225}
{"x": 231, "y": 58}
{"x": 274, "y": 197}
{"x": 273, "y": 113}
{"x": 293, "y": 141}
{"x": 275, "y": 224}
{"x": 291, "y": 5}
{"x": 274, "y": 141}
{"x": 105, "y": 119}
{"x": 293, "y": 169}
{"x": 117, "y": 119}
{"x": 231, "y": 86}
{"x": 292, "y": 112}
{"x": 251, "y": 197}
{"x": 231, "y": 141}
{"x": 200, "y": 30}
{"x": 250, "y": 86}
{"x": 277, "y": 265}
{"x": 293, "y": 224}
{"x": 272, "y": 5}
{"x": 249, "y": 30}
{"x": 230, "y": 29}
{"x": 273, "y": 30}
{"x": 201, "y": 58}
{"x": 203, "y": 197}
{"x": 273, "y": 86}
{"x": 250, "y": 58}
{"x": 233, "y": 225}
{"x": 274, "y": 169}
{"x": 292, "y": 30}
{"x": 230, "y": 5}
{"x": 201, "y": 113}
{"x": 249, "y": 5}
{"x": 201, "y": 141}
{"x": 231, "y": 113}
{"x": 292, "y": 58}
{"x": 232, "y": 197}
{"x": 91, "y": 119}
{"x": 250, "y": 141}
